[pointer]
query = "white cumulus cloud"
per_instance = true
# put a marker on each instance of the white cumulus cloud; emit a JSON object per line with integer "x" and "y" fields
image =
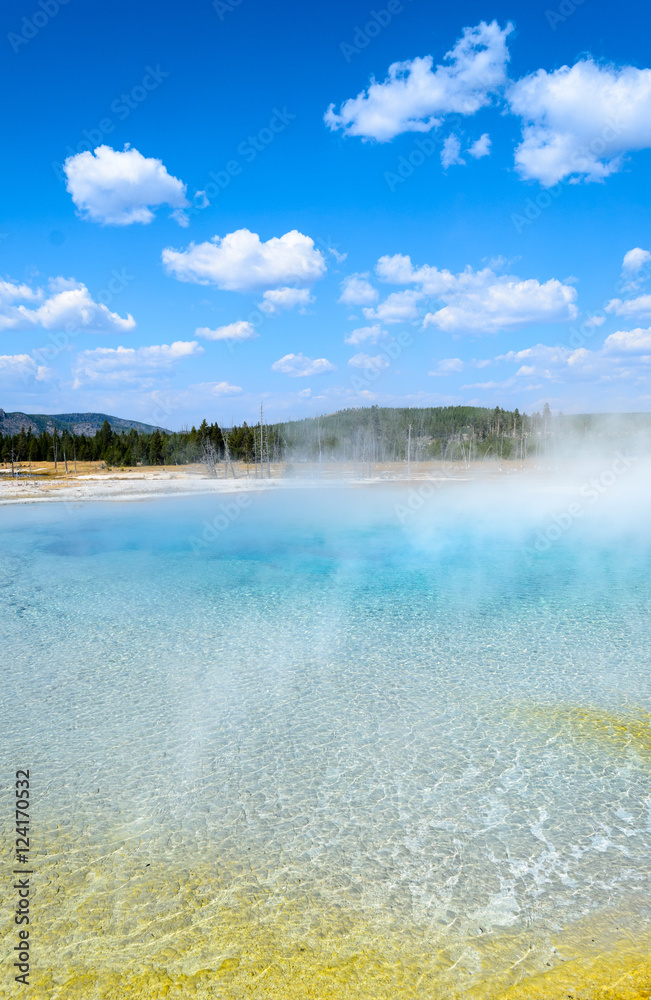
{"x": 451, "y": 152}
{"x": 65, "y": 305}
{"x": 118, "y": 365}
{"x": 11, "y": 291}
{"x": 240, "y": 330}
{"x": 579, "y": 121}
{"x": 634, "y": 260}
{"x": 14, "y": 367}
{"x": 543, "y": 355}
{"x": 276, "y": 299}
{"x": 448, "y": 366}
{"x": 398, "y": 307}
{"x": 357, "y": 290}
{"x": 624, "y": 360}
{"x": 639, "y": 306}
{"x": 543, "y": 362}
{"x": 416, "y": 97}
{"x": 225, "y": 389}
{"x": 120, "y": 188}
{"x": 241, "y": 262}
{"x": 298, "y": 366}
{"x": 635, "y": 269}
{"x": 399, "y": 270}
{"x": 375, "y": 362}
{"x": 486, "y": 303}
{"x": 636, "y": 341}
{"x": 481, "y": 147}
{"x": 366, "y": 333}
{"x": 216, "y": 389}
{"x": 478, "y": 301}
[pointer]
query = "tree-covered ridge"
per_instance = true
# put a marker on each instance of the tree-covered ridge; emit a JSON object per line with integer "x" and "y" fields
{"x": 378, "y": 434}
{"x": 383, "y": 434}
{"x": 363, "y": 435}
{"x": 78, "y": 423}
{"x": 132, "y": 448}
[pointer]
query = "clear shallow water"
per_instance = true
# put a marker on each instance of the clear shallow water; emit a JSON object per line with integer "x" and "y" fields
{"x": 329, "y": 750}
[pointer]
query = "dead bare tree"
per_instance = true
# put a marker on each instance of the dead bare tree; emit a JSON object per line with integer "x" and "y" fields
{"x": 262, "y": 446}
{"x": 209, "y": 457}
{"x": 227, "y": 456}
{"x": 268, "y": 455}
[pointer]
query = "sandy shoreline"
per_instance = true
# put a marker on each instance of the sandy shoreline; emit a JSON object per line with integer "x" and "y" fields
{"x": 127, "y": 489}
{"x": 107, "y": 489}
{"x": 95, "y": 484}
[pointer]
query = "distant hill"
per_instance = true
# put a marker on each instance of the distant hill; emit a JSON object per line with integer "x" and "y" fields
{"x": 380, "y": 433}
{"x": 392, "y": 422}
{"x": 78, "y": 423}
{"x": 441, "y": 421}
{"x": 605, "y": 423}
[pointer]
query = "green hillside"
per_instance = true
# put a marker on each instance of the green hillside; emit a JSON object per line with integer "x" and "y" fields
{"x": 76, "y": 423}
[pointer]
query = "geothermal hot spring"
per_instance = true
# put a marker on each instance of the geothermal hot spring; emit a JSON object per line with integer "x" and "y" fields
{"x": 342, "y": 747}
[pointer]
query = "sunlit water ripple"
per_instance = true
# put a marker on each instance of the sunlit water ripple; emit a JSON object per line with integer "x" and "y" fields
{"x": 329, "y": 753}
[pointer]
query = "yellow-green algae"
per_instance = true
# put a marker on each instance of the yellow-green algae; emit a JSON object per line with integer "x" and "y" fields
{"x": 625, "y": 733}
{"x": 114, "y": 920}
{"x": 109, "y": 928}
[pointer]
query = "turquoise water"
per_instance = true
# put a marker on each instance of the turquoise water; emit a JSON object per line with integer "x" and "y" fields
{"x": 419, "y": 727}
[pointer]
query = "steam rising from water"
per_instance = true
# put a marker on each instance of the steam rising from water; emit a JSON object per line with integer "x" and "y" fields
{"x": 341, "y": 748}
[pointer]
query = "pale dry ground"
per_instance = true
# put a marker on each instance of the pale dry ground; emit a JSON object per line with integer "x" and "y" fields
{"x": 93, "y": 481}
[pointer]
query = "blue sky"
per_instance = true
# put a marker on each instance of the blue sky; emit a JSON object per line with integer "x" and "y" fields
{"x": 211, "y": 205}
